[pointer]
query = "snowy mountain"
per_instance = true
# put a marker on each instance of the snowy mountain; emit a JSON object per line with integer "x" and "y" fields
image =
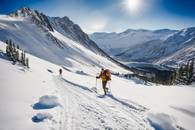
{"x": 163, "y": 47}
{"x": 66, "y": 27}
{"x": 184, "y": 48}
{"x": 116, "y": 43}
{"x": 57, "y": 40}
{"x": 38, "y": 98}
{"x": 176, "y": 48}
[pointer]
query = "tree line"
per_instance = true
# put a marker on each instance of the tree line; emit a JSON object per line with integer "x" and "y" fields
{"x": 16, "y": 54}
{"x": 185, "y": 73}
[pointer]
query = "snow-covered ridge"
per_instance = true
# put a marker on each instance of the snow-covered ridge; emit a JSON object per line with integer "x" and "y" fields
{"x": 63, "y": 25}
{"x": 35, "y": 16}
{"x": 37, "y": 34}
{"x": 115, "y": 43}
{"x": 162, "y": 47}
{"x": 66, "y": 27}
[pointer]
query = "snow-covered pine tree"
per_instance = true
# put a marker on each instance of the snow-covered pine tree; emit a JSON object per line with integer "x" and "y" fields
{"x": 17, "y": 55}
{"x": 10, "y": 46}
{"x": 7, "y": 50}
{"x": 191, "y": 71}
{"x": 6, "y": 41}
{"x": 12, "y": 51}
{"x": 24, "y": 60}
{"x": 27, "y": 62}
{"x": 14, "y": 48}
{"x": 18, "y": 47}
{"x": 193, "y": 77}
{"x": 22, "y": 56}
{"x": 185, "y": 74}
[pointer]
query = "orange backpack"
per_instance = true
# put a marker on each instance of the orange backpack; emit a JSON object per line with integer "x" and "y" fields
{"x": 107, "y": 74}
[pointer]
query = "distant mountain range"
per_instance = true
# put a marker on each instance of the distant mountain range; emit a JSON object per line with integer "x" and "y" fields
{"x": 170, "y": 47}
{"x": 116, "y": 43}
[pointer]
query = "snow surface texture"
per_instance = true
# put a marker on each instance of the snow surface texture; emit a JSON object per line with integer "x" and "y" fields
{"x": 76, "y": 106}
{"x": 161, "y": 122}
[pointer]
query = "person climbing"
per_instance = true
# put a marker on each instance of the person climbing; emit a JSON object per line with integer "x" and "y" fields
{"x": 105, "y": 76}
{"x": 60, "y": 72}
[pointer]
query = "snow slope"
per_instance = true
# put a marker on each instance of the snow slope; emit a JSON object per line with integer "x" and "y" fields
{"x": 37, "y": 99}
{"x": 35, "y": 33}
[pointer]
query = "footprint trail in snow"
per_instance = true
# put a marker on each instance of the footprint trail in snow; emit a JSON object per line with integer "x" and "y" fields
{"x": 85, "y": 110}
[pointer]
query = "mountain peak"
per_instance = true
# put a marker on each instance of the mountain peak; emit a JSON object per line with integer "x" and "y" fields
{"x": 35, "y": 16}
{"x": 73, "y": 31}
{"x": 135, "y": 30}
{"x": 22, "y": 12}
{"x": 188, "y": 30}
{"x": 164, "y": 31}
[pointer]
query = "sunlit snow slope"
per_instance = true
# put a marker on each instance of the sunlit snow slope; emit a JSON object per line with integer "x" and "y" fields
{"x": 37, "y": 99}
{"x": 34, "y": 33}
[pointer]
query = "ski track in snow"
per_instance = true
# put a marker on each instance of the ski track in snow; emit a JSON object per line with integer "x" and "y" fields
{"x": 87, "y": 110}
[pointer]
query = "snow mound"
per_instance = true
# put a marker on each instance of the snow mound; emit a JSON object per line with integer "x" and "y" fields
{"x": 41, "y": 117}
{"x": 161, "y": 121}
{"x": 46, "y": 102}
{"x": 81, "y": 72}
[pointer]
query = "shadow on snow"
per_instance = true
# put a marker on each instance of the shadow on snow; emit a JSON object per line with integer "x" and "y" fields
{"x": 108, "y": 95}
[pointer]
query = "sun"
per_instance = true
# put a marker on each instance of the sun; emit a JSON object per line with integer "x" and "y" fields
{"x": 132, "y": 6}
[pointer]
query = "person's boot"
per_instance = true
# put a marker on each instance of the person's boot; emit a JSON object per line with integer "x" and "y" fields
{"x": 104, "y": 91}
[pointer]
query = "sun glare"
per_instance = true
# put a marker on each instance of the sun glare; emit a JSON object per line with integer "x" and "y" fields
{"x": 132, "y": 6}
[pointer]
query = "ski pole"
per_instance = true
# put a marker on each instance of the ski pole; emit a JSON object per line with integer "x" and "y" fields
{"x": 96, "y": 83}
{"x": 109, "y": 86}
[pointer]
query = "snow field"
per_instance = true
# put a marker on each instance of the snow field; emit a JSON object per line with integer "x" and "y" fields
{"x": 70, "y": 104}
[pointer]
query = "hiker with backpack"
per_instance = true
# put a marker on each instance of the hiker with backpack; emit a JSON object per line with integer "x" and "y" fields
{"x": 60, "y": 72}
{"x": 105, "y": 77}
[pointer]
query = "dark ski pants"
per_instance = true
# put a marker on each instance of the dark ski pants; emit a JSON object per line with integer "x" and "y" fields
{"x": 104, "y": 86}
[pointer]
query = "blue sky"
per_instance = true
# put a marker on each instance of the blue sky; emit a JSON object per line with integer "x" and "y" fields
{"x": 114, "y": 15}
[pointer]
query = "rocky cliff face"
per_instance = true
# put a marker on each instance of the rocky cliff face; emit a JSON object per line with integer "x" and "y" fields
{"x": 36, "y": 17}
{"x": 66, "y": 27}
